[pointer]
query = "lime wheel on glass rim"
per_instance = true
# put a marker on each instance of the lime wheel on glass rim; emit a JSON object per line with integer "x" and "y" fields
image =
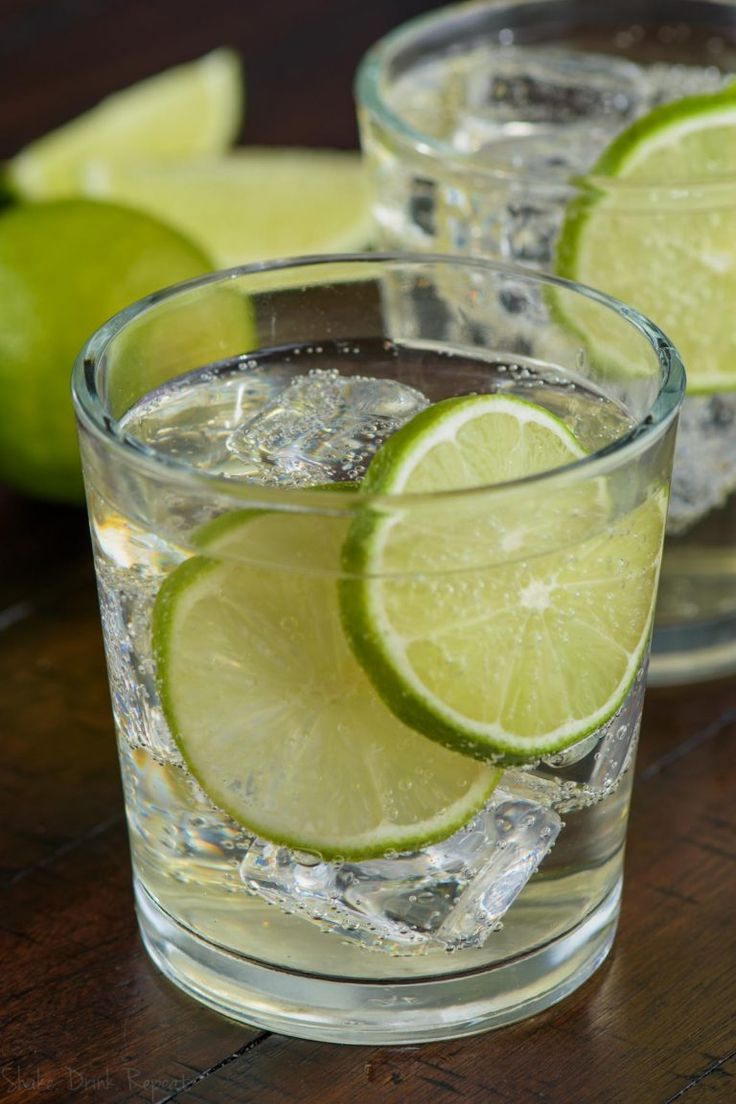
{"x": 655, "y": 226}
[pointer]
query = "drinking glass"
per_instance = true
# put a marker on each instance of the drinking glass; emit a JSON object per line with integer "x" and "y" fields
{"x": 483, "y": 125}
{"x": 319, "y": 847}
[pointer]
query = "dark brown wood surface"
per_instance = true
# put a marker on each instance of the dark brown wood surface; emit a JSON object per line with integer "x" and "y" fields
{"x": 83, "y": 1015}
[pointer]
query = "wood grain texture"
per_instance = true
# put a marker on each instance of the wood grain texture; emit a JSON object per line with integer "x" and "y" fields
{"x": 658, "y": 1021}
{"x": 84, "y": 1017}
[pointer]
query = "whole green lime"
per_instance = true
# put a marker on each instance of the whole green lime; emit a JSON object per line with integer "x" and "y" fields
{"x": 65, "y": 268}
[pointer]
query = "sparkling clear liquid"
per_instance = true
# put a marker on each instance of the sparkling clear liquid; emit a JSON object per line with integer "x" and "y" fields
{"x": 534, "y": 119}
{"x": 187, "y": 853}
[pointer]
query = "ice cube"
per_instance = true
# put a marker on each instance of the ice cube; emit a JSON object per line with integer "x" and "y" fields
{"x": 322, "y": 428}
{"x": 519, "y": 85}
{"x": 529, "y": 230}
{"x": 540, "y": 117}
{"x": 124, "y": 609}
{"x": 534, "y": 150}
{"x": 450, "y": 895}
{"x": 513, "y": 104}
{"x": 705, "y": 459}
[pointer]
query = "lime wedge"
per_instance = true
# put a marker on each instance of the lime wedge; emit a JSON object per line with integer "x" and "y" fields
{"x": 509, "y": 626}
{"x": 188, "y": 111}
{"x": 672, "y": 259}
{"x": 66, "y": 267}
{"x": 274, "y": 717}
{"x": 251, "y": 205}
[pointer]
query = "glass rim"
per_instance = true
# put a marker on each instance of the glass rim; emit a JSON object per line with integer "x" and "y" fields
{"x": 94, "y": 417}
{"x": 368, "y": 94}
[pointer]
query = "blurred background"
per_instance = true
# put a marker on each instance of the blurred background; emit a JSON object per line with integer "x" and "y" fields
{"x": 58, "y": 57}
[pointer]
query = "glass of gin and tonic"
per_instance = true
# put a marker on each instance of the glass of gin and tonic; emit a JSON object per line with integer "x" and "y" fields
{"x": 377, "y": 541}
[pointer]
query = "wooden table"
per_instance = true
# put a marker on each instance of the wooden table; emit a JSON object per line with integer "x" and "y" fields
{"x": 83, "y": 1015}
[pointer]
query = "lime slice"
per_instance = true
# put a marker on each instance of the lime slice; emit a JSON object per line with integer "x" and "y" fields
{"x": 66, "y": 267}
{"x": 274, "y": 717}
{"x": 674, "y": 260}
{"x": 252, "y": 205}
{"x": 188, "y": 111}
{"x": 470, "y": 631}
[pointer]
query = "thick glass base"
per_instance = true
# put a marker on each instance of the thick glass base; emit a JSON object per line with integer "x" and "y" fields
{"x": 694, "y": 652}
{"x": 382, "y": 1013}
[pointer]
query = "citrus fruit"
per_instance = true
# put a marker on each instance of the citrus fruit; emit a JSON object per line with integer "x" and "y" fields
{"x": 66, "y": 267}
{"x": 273, "y": 715}
{"x": 509, "y": 626}
{"x": 251, "y": 205}
{"x": 209, "y": 323}
{"x": 188, "y": 111}
{"x": 655, "y": 227}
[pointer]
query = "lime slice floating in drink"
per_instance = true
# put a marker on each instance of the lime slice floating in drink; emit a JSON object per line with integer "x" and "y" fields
{"x": 273, "y": 715}
{"x": 662, "y": 236}
{"x": 510, "y": 625}
{"x": 189, "y": 111}
{"x": 253, "y": 204}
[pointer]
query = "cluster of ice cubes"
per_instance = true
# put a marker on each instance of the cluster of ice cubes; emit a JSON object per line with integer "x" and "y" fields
{"x": 504, "y": 98}
{"x": 322, "y": 428}
{"x": 537, "y": 117}
{"x": 452, "y": 894}
{"x": 515, "y": 99}
{"x": 541, "y": 116}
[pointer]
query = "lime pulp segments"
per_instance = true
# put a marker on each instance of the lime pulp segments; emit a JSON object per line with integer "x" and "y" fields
{"x": 273, "y": 715}
{"x": 655, "y": 226}
{"x": 509, "y": 626}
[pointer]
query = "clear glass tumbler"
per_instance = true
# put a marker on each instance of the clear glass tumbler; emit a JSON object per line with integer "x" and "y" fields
{"x": 377, "y": 544}
{"x": 484, "y": 125}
